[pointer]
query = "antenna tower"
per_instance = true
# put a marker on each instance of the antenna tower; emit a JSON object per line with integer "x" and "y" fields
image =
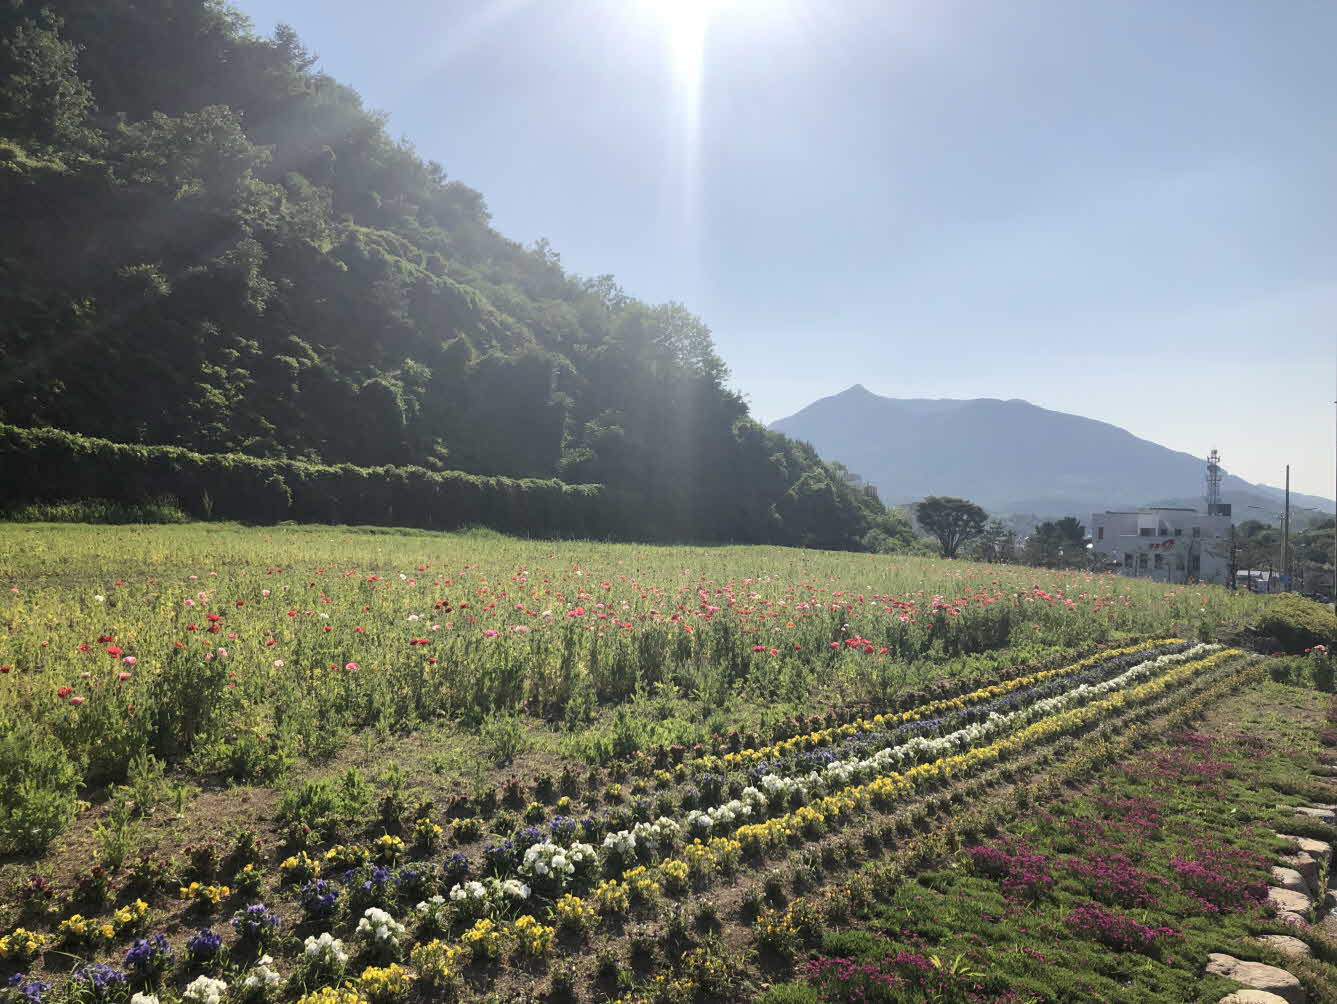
{"x": 1213, "y": 482}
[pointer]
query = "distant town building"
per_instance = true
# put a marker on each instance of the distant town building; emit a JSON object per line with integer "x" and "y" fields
{"x": 1259, "y": 580}
{"x": 1164, "y": 544}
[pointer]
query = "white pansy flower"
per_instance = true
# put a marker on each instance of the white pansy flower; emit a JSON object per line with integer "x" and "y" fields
{"x": 204, "y": 990}
{"x": 327, "y": 950}
{"x": 379, "y": 928}
{"x": 263, "y": 975}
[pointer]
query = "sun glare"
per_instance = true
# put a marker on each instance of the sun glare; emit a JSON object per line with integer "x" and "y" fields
{"x": 686, "y": 23}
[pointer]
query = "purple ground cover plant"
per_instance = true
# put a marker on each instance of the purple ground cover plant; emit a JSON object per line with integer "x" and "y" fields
{"x": 1220, "y": 878}
{"x": 1113, "y": 878}
{"x": 1116, "y": 930}
{"x": 847, "y": 980}
{"x": 1137, "y": 817}
{"x": 1023, "y": 873}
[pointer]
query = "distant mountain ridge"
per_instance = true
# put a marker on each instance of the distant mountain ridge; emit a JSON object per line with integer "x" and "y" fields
{"x": 1011, "y": 456}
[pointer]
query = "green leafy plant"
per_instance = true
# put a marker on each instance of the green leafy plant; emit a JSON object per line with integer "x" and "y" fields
{"x": 37, "y": 787}
{"x": 503, "y": 738}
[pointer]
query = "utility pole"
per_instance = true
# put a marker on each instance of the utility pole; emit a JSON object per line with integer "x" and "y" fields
{"x": 1286, "y": 535}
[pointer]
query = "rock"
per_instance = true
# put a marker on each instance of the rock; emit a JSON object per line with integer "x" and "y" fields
{"x": 1292, "y": 918}
{"x": 1328, "y": 925}
{"x": 1285, "y": 944}
{"x": 1252, "y": 997}
{"x": 1323, "y": 815}
{"x": 1289, "y": 900}
{"x": 1257, "y": 976}
{"x": 1308, "y": 869}
{"x": 1289, "y": 878}
{"x": 1319, "y": 850}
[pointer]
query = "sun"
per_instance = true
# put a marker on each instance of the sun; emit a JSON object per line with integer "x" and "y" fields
{"x": 685, "y": 24}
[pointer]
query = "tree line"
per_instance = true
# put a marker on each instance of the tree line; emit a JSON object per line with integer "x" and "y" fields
{"x": 964, "y": 529}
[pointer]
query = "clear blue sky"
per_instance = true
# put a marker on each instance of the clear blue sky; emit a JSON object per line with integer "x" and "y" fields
{"x": 1125, "y": 210}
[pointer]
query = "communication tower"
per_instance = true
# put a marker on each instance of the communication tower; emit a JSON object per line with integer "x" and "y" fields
{"x": 1214, "y": 505}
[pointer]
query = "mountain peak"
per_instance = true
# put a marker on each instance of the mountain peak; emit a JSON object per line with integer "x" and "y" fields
{"x": 1007, "y": 454}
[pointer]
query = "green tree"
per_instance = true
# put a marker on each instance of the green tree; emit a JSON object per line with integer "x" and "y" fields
{"x": 952, "y": 520}
{"x": 1057, "y": 544}
{"x": 42, "y": 98}
{"x": 997, "y": 543}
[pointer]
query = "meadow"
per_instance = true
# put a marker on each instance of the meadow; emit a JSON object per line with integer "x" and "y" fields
{"x": 337, "y": 764}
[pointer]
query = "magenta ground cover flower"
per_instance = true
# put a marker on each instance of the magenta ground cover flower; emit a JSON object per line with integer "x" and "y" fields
{"x": 1116, "y": 930}
{"x": 1023, "y": 873}
{"x": 1113, "y": 878}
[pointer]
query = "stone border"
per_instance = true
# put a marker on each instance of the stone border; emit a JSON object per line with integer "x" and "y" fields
{"x": 1298, "y": 882}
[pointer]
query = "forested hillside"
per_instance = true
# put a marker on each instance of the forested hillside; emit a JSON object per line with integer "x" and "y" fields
{"x": 208, "y": 243}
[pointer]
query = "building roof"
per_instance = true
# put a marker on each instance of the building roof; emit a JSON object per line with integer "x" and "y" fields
{"x": 1149, "y": 509}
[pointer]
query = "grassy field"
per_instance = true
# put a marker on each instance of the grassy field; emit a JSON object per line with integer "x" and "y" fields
{"x": 482, "y": 766}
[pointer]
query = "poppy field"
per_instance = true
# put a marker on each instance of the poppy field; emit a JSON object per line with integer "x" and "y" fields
{"x": 339, "y": 765}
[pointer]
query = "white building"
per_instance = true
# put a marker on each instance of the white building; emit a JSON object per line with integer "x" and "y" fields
{"x": 1168, "y": 545}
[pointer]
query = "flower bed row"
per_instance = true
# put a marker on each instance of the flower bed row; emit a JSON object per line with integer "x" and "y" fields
{"x": 703, "y": 860}
{"x": 442, "y": 962}
{"x": 884, "y": 721}
{"x": 1106, "y": 895}
{"x": 642, "y": 840}
{"x": 639, "y": 842}
{"x": 556, "y": 857}
{"x": 710, "y": 791}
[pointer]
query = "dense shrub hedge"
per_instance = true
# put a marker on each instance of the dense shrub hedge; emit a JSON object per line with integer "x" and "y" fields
{"x": 51, "y": 465}
{"x": 1297, "y": 623}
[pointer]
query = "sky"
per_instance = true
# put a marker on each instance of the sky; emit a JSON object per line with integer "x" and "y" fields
{"x": 1122, "y": 210}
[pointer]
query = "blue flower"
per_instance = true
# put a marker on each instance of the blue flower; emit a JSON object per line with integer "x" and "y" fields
{"x": 319, "y": 898}
{"x": 204, "y": 944}
{"x": 98, "y": 979}
{"x": 149, "y": 956}
{"x": 29, "y": 990}
{"x": 255, "y": 923}
{"x": 456, "y": 868}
